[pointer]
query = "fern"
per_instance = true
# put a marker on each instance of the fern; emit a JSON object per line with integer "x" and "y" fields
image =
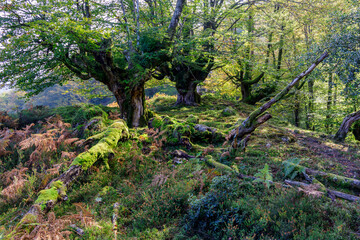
{"x": 264, "y": 175}
{"x": 292, "y": 167}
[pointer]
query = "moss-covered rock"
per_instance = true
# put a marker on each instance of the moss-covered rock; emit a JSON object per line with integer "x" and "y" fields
{"x": 183, "y": 133}
{"x": 192, "y": 119}
{"x": 229, "y": 111}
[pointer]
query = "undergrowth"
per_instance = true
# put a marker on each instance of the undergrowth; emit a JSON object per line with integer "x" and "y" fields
{"x": 165, "y": 197}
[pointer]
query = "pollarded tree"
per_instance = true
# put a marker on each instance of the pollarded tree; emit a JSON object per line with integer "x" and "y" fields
{"x": 114, "y": 42}
{"x": 193, "y": 57}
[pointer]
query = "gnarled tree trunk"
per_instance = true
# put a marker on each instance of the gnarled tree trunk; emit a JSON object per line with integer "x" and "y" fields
{"x": 132, "y": 104}
{"x": 187, "y": 94}
{"x": 345, "y": 126}
{"x": 356, "y": 130}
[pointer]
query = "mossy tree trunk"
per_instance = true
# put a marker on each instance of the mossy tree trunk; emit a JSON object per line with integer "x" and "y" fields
{"x": 346, "y": 125}
{"x": 131, "y": 103}
{"x": 187, "y": 93}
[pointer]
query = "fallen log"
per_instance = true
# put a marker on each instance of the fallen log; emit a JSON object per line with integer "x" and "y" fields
{"x": 330, "y": 177}
{"x": 342, "y": 195}
{"x": 55, "y": 191}
{"x": 322, "y": 188}
{"x": 258, "y": 117}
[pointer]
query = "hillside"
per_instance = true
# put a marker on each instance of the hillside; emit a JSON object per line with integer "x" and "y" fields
{"x": 147, "y": 189}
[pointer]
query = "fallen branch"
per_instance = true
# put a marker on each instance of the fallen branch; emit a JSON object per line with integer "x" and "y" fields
{"x": 258, "y": 117}
{"x": 342, "y": 195}
{"x": 55, "y": 191}
{"x": 78, "y": 230}
{"x": 114, "y": 219}
{"x": 330, "y": 177}
{"x": 322, "y": 188}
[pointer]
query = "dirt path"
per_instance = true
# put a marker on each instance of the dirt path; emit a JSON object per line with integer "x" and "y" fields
{"x": 343, "y": 154}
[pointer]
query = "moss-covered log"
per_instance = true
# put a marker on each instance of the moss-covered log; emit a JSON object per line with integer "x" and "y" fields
{"x": 55, "y": 191}
{"x": 330, "y": 177}
{"x": 224, "y": 168}
{"x": 258, "y": 117}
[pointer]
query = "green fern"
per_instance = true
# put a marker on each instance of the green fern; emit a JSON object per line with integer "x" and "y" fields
{"x": 292, "y": 167}
{"x": 264, "y": 175}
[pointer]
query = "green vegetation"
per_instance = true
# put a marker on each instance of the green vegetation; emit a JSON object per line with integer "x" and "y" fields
{"x": 211, "y": 195}
{"x": 228, "y": 119}
{"x": 56, "y": 191}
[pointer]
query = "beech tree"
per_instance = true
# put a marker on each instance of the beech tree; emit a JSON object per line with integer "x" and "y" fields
{"x": 118, "y": 43}
{"x": 201, "y": 35}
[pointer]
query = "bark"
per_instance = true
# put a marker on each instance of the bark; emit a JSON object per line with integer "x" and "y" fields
{"x": 187, "y": 78}
{"x": 345, "y": 126}
{"x": 329, "y": 103}
{"x": 175, "y": 18}
{"x": 188, "y": 95}
{"x": 257, "y": 117}
{"x": 131, "y": 103}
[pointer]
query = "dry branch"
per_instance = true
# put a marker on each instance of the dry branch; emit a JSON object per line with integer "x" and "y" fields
{"x": 342, "y": 195}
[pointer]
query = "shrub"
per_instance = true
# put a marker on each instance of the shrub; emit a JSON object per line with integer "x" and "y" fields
{"x": 236, "y": 211}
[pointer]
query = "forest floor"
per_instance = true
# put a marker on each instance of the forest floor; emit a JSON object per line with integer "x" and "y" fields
{"x": 163, "y": 197}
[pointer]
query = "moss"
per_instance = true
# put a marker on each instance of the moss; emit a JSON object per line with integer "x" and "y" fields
{"x": 57, "y": 189}
{"x": 157, "y": 122}
{"x": 104, "y": 147}
{"x": 192, "y": 119}
{"x": 222, "y": 167}
{"x": 229, "y": 111}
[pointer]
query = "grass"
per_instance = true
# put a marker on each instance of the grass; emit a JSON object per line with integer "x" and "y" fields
{"x": 188, "y": 199}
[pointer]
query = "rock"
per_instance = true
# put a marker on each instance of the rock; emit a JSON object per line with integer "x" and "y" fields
{"x": 204, "y": 128}
{"x": 181, "y": 154}
{"x": 179, "y": 160}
